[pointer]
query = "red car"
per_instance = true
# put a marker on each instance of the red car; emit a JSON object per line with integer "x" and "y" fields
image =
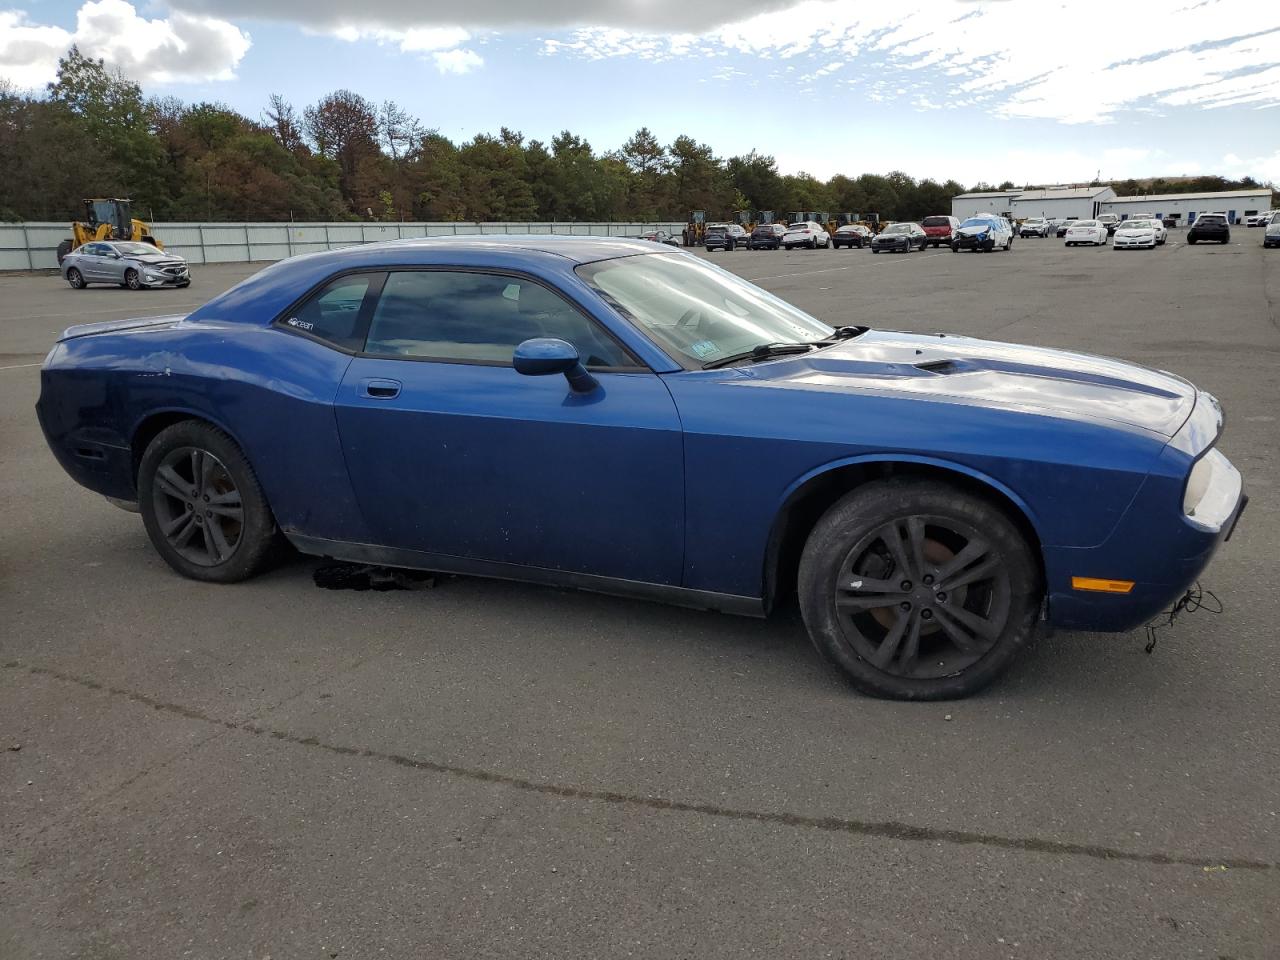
{"x": 939, "y": 230}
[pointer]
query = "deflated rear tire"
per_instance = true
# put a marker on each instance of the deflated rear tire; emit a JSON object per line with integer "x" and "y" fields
{"x": 202, "y": 505}
{"x": 915, "y": 590}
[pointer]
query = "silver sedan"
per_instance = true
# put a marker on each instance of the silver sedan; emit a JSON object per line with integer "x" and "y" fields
{"x": 125, "y": 263}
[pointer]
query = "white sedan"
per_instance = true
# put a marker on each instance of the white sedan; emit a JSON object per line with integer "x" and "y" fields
{"x": 1142, "y": 234}
{"x": 1087, "y": 231}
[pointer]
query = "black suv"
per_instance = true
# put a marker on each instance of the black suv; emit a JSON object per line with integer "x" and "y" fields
{"x": 767, "y": 236}
{"x": 1210, "y": 226}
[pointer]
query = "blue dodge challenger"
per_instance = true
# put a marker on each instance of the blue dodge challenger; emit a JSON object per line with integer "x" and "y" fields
{"x": 620, "y": 417}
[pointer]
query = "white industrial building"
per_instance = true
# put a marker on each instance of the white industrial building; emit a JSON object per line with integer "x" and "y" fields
{"x": 1185, "y": 207}
{"x": 971, "y": 204}
{"x": 1061, "y": 203}
{"x": 1056, "y": 202}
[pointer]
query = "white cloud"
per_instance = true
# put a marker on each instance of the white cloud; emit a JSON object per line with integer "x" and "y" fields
{"x": 179, "y": 48}
{"x": 655, "y": 16}
{"x": 457, "y": 61}
{"x": 413, "y": 40}
{"x": 1078, "y": 62}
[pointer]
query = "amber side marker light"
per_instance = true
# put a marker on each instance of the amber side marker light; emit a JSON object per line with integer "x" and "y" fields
{"x": 1098, "y": 585}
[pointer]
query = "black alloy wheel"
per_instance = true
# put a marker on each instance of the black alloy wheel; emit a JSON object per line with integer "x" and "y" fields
{"x": 916, "y": 590}
{"x": 198, "y": 505}
{"x": 202, "y": 505}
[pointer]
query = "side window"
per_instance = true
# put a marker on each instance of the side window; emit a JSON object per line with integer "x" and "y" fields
{"x": 446, "y": 315}
{"x": 332, "y": 313}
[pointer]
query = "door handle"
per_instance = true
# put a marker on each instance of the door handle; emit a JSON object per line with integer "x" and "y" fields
{"x": 380, "y": 389}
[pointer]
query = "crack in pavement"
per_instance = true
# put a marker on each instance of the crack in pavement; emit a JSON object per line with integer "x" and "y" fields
{"x": 887, "y": 829}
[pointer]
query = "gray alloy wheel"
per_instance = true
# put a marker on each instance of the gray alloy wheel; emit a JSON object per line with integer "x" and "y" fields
{"x": 132, "y": 279}
{"x": 202, "y": 505}
{"x": 76, "y": 279}
{"x": 918, "y": 591}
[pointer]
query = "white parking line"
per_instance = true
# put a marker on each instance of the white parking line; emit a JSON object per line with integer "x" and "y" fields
{"x": 802, "y": 273}
{"x": 93, "y": 313}
{"x": 19, "y": 366}
{"x": 806, "y": 273}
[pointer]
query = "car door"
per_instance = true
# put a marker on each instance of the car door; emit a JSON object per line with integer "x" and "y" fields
{"x": 453, "y": 453}
{"x": 91, "y": 263}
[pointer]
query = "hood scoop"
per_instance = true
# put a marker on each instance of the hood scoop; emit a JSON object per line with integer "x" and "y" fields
{"x": 945, "y": 366}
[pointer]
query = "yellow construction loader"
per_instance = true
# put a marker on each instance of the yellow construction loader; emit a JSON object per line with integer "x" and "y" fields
{"x": 106, "y": 220}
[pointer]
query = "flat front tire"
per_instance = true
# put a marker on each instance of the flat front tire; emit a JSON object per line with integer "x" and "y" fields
{"x": 202, "y": 505}
{"x": 916, "y": 590}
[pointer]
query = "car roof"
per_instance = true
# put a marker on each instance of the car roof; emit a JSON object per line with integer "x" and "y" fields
{"x": 276, "y": 286}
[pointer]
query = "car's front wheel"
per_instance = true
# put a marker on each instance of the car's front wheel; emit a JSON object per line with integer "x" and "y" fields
{"x": 202, "y": 505}
{"x": 133, "y": 279}
{"x": 76, "y": 279}
{"x": 918, "y": 591}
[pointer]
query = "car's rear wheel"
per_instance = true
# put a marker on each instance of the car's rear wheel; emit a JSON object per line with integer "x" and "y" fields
{"x": 918, "y": 591}
{"x": 202, "y": 505}
{"x": 76, "y": 279}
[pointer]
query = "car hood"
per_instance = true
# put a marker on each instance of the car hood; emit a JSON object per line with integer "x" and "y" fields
{"x": 977, "y": 229}
{"x": 987, "y": 373}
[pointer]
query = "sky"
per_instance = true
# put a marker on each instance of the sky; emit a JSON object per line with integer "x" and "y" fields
{"x": 1033, "y": 91}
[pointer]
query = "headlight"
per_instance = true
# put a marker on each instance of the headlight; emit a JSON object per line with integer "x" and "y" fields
{"x": 1212, "y": 492}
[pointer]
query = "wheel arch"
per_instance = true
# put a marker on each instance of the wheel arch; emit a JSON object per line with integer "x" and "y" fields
{"x": 810, "y": 496}
{"x": 154, "y": 421}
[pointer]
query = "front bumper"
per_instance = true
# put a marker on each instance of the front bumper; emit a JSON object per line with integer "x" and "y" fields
{"x": 890, "y": 245}
{"x": 968, "y": 242}
{"x": 166, "y": 278}
{"x": 1122, "y": 242}
{"x": 1158, "y": 547}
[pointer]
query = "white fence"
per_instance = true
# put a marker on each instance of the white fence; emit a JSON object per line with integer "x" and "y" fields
{"x": 33, "y": 246}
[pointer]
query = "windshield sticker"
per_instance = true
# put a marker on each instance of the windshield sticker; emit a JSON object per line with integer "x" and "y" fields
{"x": 704, "y": 348}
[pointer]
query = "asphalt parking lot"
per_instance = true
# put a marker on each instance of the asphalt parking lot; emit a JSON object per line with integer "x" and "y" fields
{"x": 486, "y": 769}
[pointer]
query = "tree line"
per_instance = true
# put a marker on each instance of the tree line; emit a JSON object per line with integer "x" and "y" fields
{"x": 93, "y": 133}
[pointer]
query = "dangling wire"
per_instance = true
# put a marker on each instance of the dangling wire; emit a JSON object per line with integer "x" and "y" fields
{"x": 1194, "y": 600}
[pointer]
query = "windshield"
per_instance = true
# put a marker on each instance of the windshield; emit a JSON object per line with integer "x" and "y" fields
{"x": 1136, "y": 225}
{"x": 1084, "y": 223}
{"x": 978, "y": 222}
{"x": 1034, "y": 220}
{"x": 135, "y": 249}
{"x": 936, "y": 222}
{"x": 696, "y": 311}
{"x": 898, "y": 228}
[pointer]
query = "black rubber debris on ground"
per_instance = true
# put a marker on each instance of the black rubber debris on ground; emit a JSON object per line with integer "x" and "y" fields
{"x": 359, "y": 576}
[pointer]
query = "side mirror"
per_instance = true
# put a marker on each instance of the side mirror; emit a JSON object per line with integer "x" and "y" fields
{"x": 546, "y": 355}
